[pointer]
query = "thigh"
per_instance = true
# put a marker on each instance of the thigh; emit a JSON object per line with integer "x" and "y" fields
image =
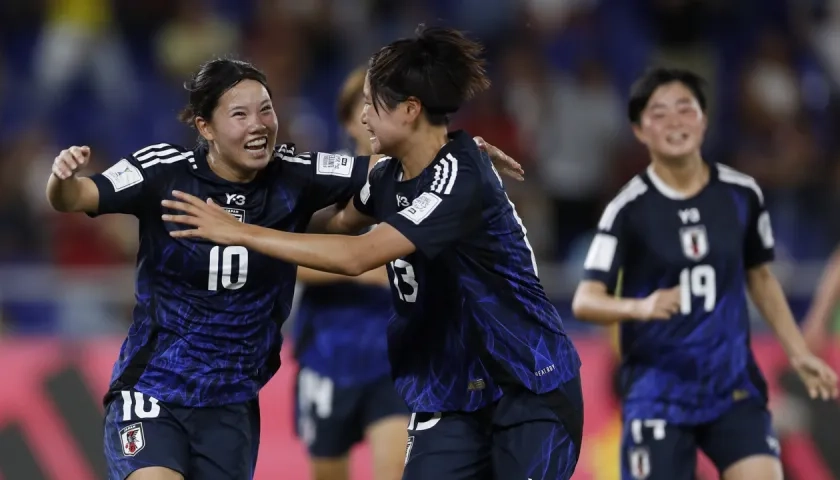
{"x": 538, "y": 435}
{"x": 744, "y": 431}
{"x": 328, "y": 419}
{"x": 380, "y": 400}
{"x": 652, "y": 449}
{"x": 448, "y": 446}
{"x": 141, "y": 432}
{"x": 224, "y": 441}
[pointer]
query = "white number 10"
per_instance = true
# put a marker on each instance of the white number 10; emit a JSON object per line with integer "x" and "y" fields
{"x": 241, "y": 253}
{"x": 699, "y": 281}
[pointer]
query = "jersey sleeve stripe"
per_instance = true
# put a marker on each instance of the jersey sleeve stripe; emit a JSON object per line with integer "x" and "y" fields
{"x": 633, "y": 190}
{"x": 143, "y": 151}
{"x": 160, "y": 154}
{"x": 170, "y": 159}
{"x": 286, "y": 158}
{"x": 453, "y": 174}
{"x": 730, "y": 175}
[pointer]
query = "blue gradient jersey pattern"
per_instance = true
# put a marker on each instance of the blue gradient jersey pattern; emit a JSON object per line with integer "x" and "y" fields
{"x": 206, "y": 325}
{"x": 339, "y": 332}
{"x": 471, "y": 314}
{"x": 692, "y": 368}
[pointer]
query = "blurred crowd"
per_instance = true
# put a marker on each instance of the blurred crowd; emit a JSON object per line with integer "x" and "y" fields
{"x": 108, "y": 73}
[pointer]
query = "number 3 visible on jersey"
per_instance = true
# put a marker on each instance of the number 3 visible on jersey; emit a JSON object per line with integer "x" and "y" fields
{"x": 698, "y": 281}
{"x": 228, "y": 254}
{"x": 404, "y": 275}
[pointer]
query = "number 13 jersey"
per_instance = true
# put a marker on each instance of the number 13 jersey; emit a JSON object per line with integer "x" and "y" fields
{"x": 691, "y": 368}
{"x": 471, "y": 314}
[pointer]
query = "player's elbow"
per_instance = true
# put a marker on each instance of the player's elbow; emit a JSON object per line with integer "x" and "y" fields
{"x": 585, "y": 302}
{"x": 355, "y": 265}
{"x": 580, "y": 306}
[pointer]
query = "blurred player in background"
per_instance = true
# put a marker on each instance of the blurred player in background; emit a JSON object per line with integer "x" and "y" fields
{"x": 344, "y": 388}
{"x": 477, "y": 350}
{"x": 681, "y": 242}
{"x": 205, "y": 335}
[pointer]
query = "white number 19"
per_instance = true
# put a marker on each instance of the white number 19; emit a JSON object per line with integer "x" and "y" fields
{"x": 699, "y": 281}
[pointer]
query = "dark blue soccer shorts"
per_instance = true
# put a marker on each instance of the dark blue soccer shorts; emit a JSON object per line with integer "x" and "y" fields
{"x": 330, "y": 419}
{"x": 655, "y": 450}
{"x": 522, "y": 436}
{"x": 212, "y": 443}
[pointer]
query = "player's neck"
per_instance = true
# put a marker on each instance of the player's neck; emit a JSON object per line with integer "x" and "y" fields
{"x": 224, "y": 170}
{"x": 417, "y": 154}
{"x": 687, "y": 176}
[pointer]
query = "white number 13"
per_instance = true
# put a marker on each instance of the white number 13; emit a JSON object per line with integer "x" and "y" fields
{"x": 404, "y": 275}
{"x": 699, "y": 281}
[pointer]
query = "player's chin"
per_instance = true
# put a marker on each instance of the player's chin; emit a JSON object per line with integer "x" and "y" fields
{"x": 255, "y": 159}
{"x": 678, "y": 151}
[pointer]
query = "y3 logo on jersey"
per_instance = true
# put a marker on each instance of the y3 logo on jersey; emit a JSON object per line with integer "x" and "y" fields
{"x": 689, "y": 215}
{"x": 402, "y": 201}
{"x": 235, "y": 198}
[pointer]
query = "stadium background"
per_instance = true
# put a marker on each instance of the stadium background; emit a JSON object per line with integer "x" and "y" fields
{"x": 108, "y": 74}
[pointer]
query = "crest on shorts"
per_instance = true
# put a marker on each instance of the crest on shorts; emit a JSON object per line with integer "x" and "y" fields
{"x": 408, "y": 445}
{"x": 132, "y": 439}
{"x": 639, "y": 460}
{"x": 237, "y": 213}
{"x": 695, "y": 242}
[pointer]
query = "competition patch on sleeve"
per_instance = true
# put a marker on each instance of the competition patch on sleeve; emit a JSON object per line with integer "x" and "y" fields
{"x": 601, "y": 253}
{"x": 123, "y": 175}
{"x": 334, "y": 164}
{"x": 421, "y": 207}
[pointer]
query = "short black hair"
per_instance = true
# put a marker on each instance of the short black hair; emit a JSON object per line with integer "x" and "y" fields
{"x": 643, "y": 88}
{"x": 211, "y": 81}
{"x": 440, "y": 67}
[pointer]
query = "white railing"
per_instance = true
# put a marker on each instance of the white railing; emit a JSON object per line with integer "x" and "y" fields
{"x": 47, "y": 283}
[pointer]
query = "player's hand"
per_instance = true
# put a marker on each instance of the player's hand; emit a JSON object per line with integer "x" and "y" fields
{"x": 210, "y": 221}
{"x": 503, "y": 163}
{"x": 819, "y": 378}
{"x": 70, "y": 161}
{"x": 660, "y": 305}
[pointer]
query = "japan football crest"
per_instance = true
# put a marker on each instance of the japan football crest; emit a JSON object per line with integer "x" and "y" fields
{"x": 639, "y": 459}
{"x": 237, "y": 213}
{"x": 132, "y": 439}
{"x": 695, "y": 242}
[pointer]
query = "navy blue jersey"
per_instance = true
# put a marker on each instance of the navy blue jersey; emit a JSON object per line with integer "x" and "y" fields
{"x": 472, "y": 316}
{"x": 339, "y": 331}
{"x": 691, "y": 368}
{"x": 206, "y": 326}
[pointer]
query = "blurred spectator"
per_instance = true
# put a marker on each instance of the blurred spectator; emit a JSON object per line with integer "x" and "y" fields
{"x": 79, "y": 42}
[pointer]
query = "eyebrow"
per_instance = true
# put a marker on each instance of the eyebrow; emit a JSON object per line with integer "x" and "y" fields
{"x": 235, "y": 106}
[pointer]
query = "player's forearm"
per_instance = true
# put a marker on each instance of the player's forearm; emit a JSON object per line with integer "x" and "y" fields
{"x": 604, "y": 309}
{"x": 768, "y": 296}
{"x": 326, "y": 220}
{"x": 327, "y": 253}
{"x": 71, "y": 195}
{"x": 377, "y": 276}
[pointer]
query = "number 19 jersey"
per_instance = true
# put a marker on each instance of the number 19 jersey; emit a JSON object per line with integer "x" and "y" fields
{"x": 691, "y": 368}
{"x": 471, "y": 315}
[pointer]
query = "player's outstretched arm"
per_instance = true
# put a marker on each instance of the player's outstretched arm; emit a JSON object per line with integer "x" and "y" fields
{"x": 334, "y": 219}
{"x": 593, "y": 303}
{"x": 376, "y": 277}
{"x": 342, "y": 254}
{"x": 67, "y": 192}
{"x": 768, "y": 296}
{"x": 815, "y": 326}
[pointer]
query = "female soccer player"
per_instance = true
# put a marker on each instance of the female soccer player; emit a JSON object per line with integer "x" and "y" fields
{"x": 206, "y": 330}
{"x": 476, "y": 349}
{"x": 682, "y": 242}
{"x": 344, "y": 389}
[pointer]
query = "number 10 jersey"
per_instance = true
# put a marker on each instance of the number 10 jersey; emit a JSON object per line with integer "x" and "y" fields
{"x": 206, "y": 325}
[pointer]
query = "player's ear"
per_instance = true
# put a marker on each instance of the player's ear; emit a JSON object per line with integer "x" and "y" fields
{"x": 204, "y": 128}
{"x": 639, "y": 133}
{"x": 413, "y": 108}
